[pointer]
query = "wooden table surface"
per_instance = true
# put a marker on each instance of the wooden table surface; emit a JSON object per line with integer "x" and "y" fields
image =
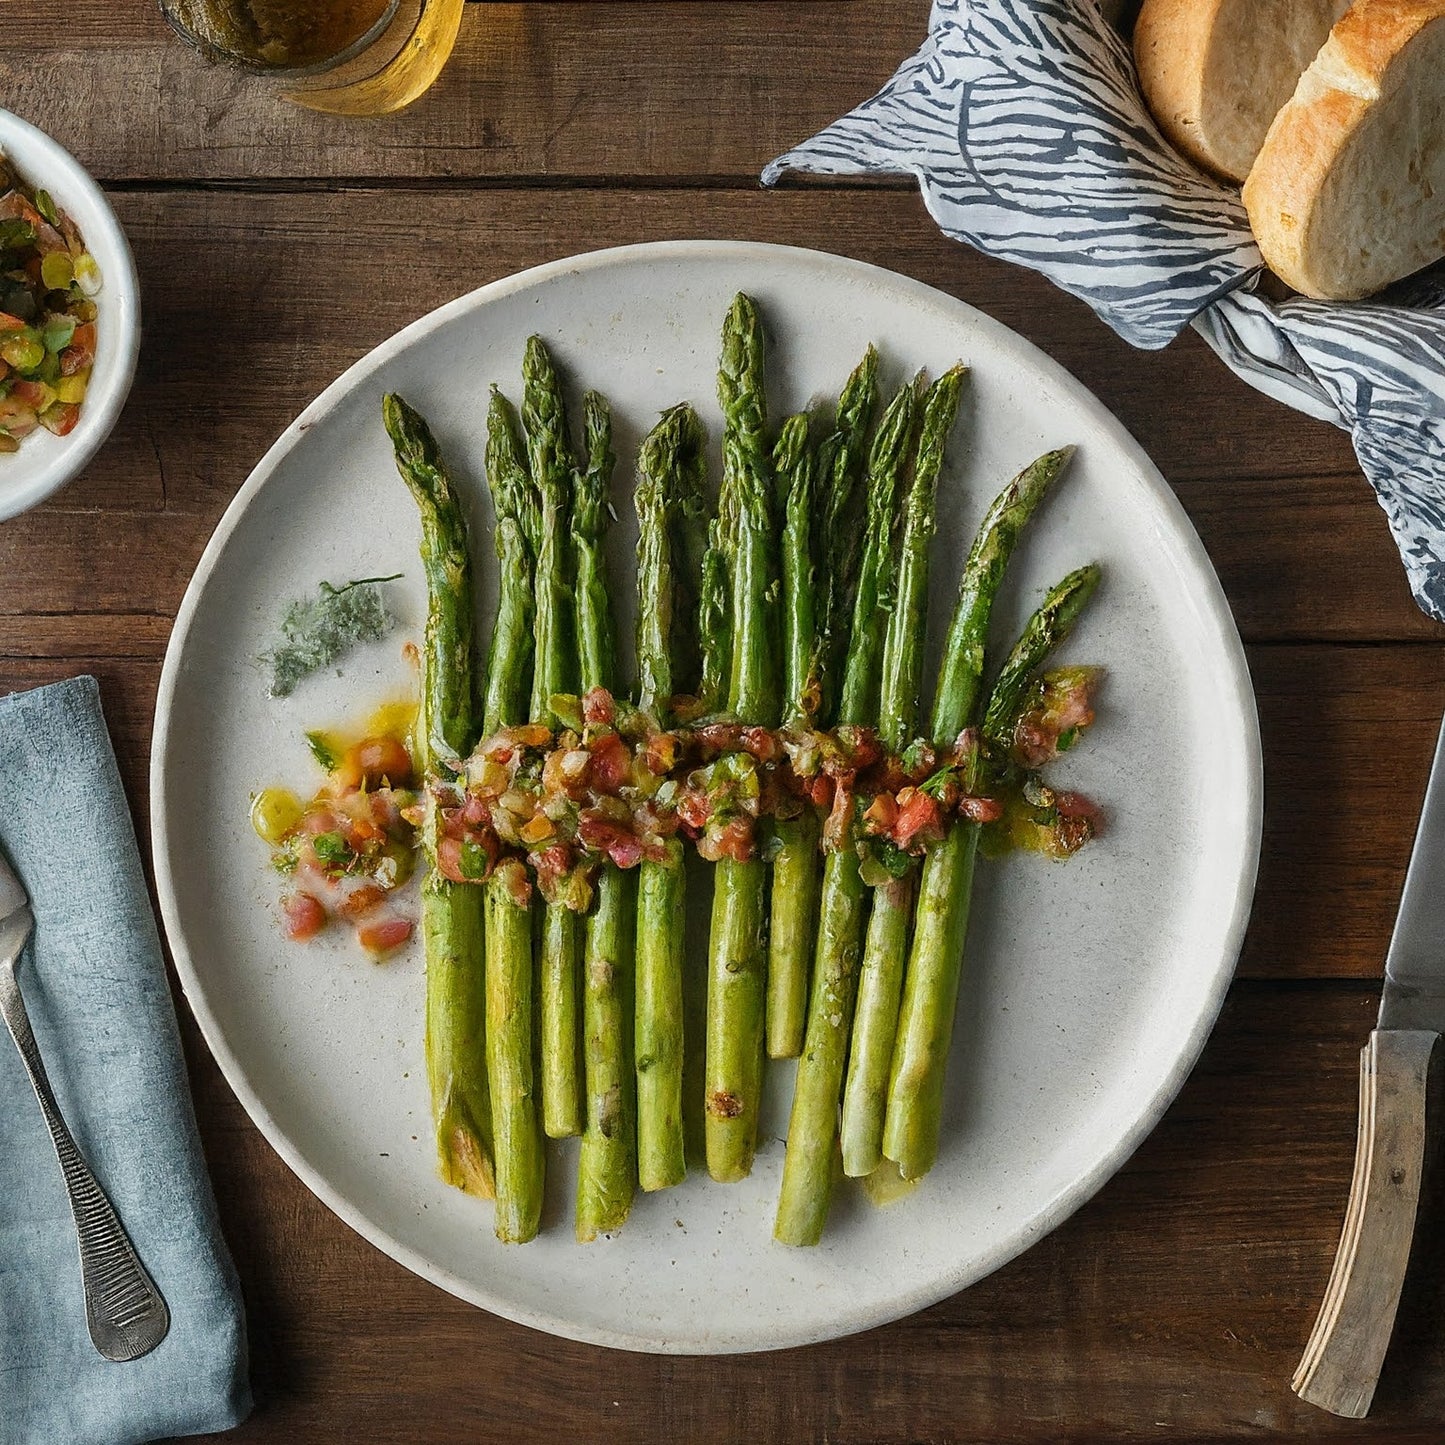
{"x": 276, "y": 247}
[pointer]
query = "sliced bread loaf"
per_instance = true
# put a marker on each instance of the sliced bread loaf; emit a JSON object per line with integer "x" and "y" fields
{"x": 1214, "y": 72}
{"x": 1348, "y": 192}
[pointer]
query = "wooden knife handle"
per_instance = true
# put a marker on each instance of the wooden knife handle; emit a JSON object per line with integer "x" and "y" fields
{"x": 1341, "y": 1363}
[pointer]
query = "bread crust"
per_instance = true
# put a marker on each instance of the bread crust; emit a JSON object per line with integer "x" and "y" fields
{"x": 1171, "y": 47}
{"x": 1214, "y": 72}
{"x": 1371, "y": 33}
{"x": 1335, "y": 96}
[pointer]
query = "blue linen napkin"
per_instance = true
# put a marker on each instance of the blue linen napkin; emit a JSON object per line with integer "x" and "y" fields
{"x": 1023, "y": 122}
{"x": 95, "y": 989}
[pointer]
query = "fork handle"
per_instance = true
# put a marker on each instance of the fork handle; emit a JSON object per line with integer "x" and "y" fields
{"x": 1342, "y": 1360}
{"x": 124, "y": 1311}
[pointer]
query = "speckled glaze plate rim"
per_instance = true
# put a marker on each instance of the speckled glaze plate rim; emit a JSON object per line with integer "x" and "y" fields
{"x": 1236, "y": 900}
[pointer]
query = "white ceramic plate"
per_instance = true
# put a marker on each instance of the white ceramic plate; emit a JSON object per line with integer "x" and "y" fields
{"x": 1090, "y": 986}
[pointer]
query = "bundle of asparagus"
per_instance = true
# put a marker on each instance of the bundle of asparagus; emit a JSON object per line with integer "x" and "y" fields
{"x": 779, "y": 661}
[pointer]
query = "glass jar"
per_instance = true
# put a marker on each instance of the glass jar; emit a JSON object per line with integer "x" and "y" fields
{"x": 283, "y": 37}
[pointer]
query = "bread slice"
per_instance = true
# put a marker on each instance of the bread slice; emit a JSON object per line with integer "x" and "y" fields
{"x": 1348, "y": 193}
{"x": 1214, "y": 72}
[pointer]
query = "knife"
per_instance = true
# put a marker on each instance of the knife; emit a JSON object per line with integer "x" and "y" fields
{"x": 1342, "y": 1360}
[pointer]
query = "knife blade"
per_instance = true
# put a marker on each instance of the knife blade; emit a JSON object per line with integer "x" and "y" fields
{"x": 1346, "y": 1350}
{"x": 1414, "y": 995}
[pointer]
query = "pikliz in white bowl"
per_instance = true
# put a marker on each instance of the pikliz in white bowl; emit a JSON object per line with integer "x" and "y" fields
{"x": 45, "y": 462}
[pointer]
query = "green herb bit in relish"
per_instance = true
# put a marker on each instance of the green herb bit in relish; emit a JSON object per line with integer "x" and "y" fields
{"x": 47, "y": 316}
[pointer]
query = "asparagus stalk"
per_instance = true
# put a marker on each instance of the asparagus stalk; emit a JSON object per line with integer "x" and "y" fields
{"x": 591, "y": 516}
{"x": 451, "y": 913}
{"x": 930, "y": 988}
{"x": 813, "y": 1124}
{"x": 518, "y": 530}
{"x": 835, "y": 502}
{"x": 737, "y": 963}
{"x": 668, "y": 503}
{"x": 607, "y": 1164}
{"x": 885, "y": 949}
{"x": 713, "y": 611}
{"x": 549, "y": 449}
{"x": 509, "y": 984}
{"x": 795, "y": 858}
{"x": 841, "y": 463}
{"x": 1045, "y": 630}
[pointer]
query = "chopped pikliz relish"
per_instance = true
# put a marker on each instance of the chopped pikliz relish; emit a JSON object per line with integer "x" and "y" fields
{"x": 610, "y": 785}
{"x": 47, "y": 315}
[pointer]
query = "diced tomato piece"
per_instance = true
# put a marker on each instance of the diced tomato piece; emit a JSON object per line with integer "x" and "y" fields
{"x": 449, "y": 859}
{"x": 595, "y": 832}
{"x": 882, "y": 813}
{"x": 611, "y": 764}
{"x": 475, "y": 813}
{"x": 917, "y": 818}
{"x": 305, "y": 917}
{"x": 660, "y": 753}
{"x": 718, "y": 737}
{"x": 373, "y": 761}
{"x": 598, "y": 708}
{"x": 821, "y": 791}
{"x": 10, "y": 323}
{"x": 382, "y": 935}
{"x": 81, "y": 351}
{"x": 514, "y": 880}
{"x": 761, "y": 743}
{"x": 1076, "y": 805}
{"x": 552, "y": 863}
{"x": 319, "y": 820}
{"x": 34, "y": 394}
{"x": 626, "y": 852}
{"x": 693, "y": 809}
{"x": 980, "y": 810}
{"x": 60, "y": 418}
{"x": 735, "y": 840}
{"x": 835, "y": 829}
{"x": 360, "y": 901}
{"x": 384, "y": 810}
{"x": 860, "y": 746}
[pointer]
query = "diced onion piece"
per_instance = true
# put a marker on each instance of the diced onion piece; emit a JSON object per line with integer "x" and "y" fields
{"x": 87, "y": 274}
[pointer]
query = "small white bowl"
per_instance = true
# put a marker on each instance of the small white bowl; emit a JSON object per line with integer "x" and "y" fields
{"x": 45, "y": 463}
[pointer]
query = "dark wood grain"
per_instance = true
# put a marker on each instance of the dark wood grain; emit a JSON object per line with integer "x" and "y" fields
{"x": 276, "y": 247}
{"x": 1174, "y": 1304}
{"x": 710, "y": 88}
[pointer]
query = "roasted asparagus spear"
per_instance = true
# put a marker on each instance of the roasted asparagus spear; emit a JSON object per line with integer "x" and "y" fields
{"x": 930, "y": 989}
{"x": 813, "y": 1122}
{"x": 668, "y": 501}
{"x": 885, "y": 949}
{"x": 737, "y": 954}
{"x": 510, "y": 994}
{"x": 447, "y": 726}
{"x": 607, "y": 1164}
{"x": 553, "y": 467}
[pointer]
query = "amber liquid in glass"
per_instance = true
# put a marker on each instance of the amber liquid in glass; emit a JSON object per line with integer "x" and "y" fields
{"x": 278, "y": 35}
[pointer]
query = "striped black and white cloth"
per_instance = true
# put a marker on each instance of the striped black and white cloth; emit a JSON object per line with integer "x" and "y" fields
{"x": 1023, "y": 123}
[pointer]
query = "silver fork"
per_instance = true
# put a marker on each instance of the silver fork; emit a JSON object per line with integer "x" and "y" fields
{"x": 124, "y": 1311}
